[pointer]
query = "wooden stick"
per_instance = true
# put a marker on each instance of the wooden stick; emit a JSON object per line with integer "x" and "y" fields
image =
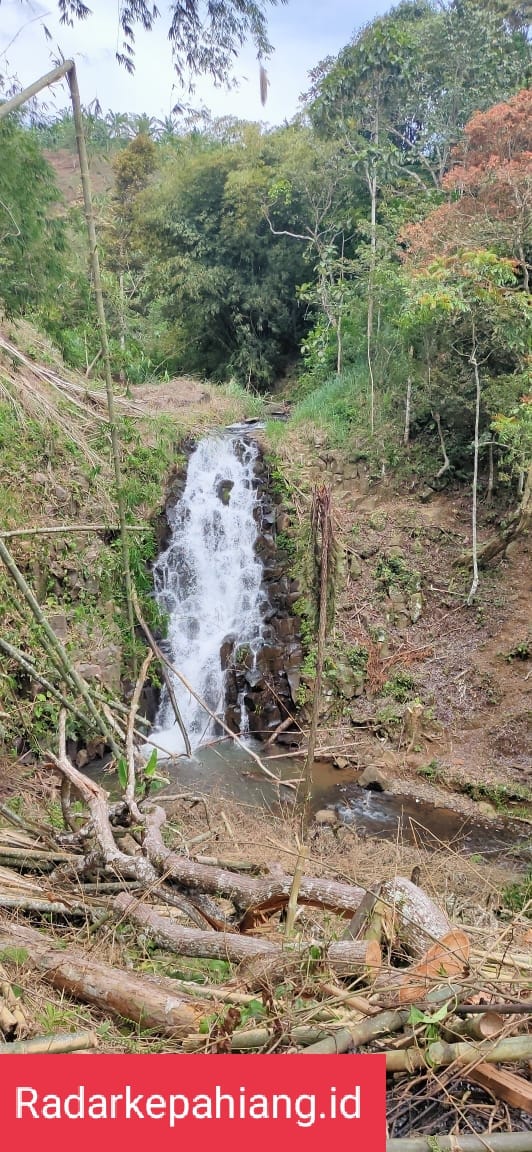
{"x": 130, "y": 748}
{"x": 56, "y": 1042}
{"x": 514, "y": 1090}
{"x": 294, "y": 891}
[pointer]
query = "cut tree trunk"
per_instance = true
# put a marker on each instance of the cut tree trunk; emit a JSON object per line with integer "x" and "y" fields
{"x": 268, "y": 962}
{"x": 151, "y": 1004}
{"x": 412, "y": 918}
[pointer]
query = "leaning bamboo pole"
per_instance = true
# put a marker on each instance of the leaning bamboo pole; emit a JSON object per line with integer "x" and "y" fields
{"x": 68, "y": 668}
{"x": 68, "y": 70}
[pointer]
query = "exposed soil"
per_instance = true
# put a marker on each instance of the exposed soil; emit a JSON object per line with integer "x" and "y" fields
{"x": 471, "y": 665}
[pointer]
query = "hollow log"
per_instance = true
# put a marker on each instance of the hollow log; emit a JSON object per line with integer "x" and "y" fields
{"x": 413, "y": 920}
{"x": 151, "y": 1004}
{"x": 267, "y": 961}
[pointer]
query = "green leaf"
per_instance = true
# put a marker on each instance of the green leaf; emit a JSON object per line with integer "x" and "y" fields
{"x": 150, "y": 767}
{"x": 121, "y": 768}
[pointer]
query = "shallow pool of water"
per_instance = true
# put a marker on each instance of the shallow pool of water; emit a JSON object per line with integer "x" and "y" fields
{"x": 229, "y": 771}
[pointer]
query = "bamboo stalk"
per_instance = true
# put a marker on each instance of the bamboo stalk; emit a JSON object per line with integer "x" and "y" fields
{"x": 57, "y": 1042}
{"x": 294, "y": 891}
{"x": 441, "y": 1054}
{"x": 162, "y": 663}
{"x": 66, "y": 529}
{"x": 130, "y": 747}
{"x": 483, "y": 1142}
{"x": 358, "y": 1035}
{"x": 102, "y": 323}
{"x": 55, "y": 642}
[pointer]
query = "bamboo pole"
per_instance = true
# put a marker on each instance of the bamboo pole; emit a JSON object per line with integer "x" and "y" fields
{"x": 483, "y": 1142}
{"x": 249, "y": 751}
{"x": 164, "y": 672}
{"x": 66, "y": 529}
{"x": 56, "y": 644}
{"x": 442, "y": 1054}
{"x": 52, "y": 77}
{"x": 57, "y": 1042}
{"x": 321, "y": 519}
{"x": 36, "y": 675}
{"x": 100, "y": 309}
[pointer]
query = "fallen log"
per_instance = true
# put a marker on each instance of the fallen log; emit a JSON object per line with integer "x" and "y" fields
{"x": 257, "y": 898}
{"x": 412, "y": 919}
{"x": 149, "y": 1003}
{"x": 484, "y": 1142}
{"x": 267, "y": 962}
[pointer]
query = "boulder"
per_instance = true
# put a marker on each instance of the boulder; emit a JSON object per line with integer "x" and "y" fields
{"x": 374, "y": 779}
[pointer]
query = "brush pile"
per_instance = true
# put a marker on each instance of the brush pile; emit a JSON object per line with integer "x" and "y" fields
{"x": 311, "y": 963}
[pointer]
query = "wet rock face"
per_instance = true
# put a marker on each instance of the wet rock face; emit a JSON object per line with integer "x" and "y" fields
{"x": 261, "y": 690}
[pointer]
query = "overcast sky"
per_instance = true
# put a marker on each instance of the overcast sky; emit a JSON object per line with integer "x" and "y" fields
{"x": 302, "y": 32}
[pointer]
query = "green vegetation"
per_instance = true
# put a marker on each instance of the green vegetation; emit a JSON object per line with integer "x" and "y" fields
{"x": 518, "y": 897}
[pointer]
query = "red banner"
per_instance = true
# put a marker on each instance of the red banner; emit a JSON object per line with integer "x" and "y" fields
{"x": 77, "y": 1104}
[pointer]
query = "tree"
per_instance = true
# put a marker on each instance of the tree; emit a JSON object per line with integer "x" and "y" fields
{"x": 223, "y": 283}
{"x": 490, "y": 186}
{"x": 479, "y": 325}
{"x": 204, "y": 37}
{"x": 31, "y": 234}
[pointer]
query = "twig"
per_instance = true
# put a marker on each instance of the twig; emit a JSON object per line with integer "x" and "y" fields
{"x": 294, "y": 891}
{"x": 130, "y": 747}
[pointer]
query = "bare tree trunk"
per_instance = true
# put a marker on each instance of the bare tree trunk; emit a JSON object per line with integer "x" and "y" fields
{"x": 474, "y": 362}
{"x": 446, "y": 462}
{"x": 406, "y": 436}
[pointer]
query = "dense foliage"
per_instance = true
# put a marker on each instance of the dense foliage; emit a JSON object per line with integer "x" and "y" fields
{"x": 378, "y": 242}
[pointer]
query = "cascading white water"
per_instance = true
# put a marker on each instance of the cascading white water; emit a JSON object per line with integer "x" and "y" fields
{"x": 208, "y": 581}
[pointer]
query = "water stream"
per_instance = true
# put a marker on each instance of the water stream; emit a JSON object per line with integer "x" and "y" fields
{"x": 209, "y": 581}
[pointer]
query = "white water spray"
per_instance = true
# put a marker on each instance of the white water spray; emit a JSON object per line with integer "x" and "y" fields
{"x": 209, "y": 582}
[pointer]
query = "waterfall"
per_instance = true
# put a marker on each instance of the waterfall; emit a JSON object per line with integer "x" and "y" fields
{"x": 209, "y": 581}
